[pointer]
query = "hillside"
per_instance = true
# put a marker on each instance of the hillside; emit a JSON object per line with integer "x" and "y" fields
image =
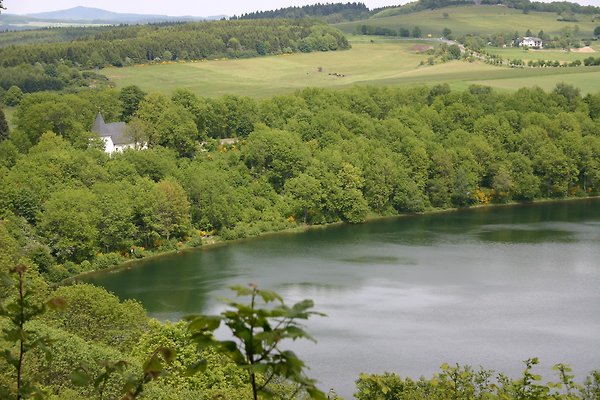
{"x": 462, "y": 20}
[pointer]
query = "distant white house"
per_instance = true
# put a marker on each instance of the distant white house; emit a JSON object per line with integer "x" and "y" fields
{"x": 114, "y": 135}
{"x": 529, "y": 41}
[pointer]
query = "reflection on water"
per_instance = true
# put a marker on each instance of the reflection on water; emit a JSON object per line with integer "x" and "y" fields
{"x": 391, "y": 260}
{"x": 525, "y": 235}
{"x": 490, "y": 286}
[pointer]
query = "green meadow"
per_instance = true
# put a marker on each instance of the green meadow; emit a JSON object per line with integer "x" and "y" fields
{"x": 553, "y": 54}
{"x": 463, "y": 20}
{"x": 585, "y": 78}
{"x": 383, "y": 62}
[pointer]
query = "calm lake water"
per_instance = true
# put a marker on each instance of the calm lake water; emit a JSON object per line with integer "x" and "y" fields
{"x": 490, "y": 286}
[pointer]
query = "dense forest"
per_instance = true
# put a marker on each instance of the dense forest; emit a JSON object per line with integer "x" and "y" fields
{"x": 186, "y": 41}
{"x": 50, "y": 35}
{"x": 55, "y": 66}
{"x": 315, "y": 157}
{"x": 332, "y": 12}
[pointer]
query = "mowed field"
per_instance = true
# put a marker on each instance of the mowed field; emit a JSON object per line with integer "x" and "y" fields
{"x": 463, "y": 20}
{"x": 383, "y": 62}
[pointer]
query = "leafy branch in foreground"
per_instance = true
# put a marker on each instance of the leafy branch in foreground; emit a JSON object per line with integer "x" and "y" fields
{"x": 258, "y": 329}
{"x": 20, "y": 311}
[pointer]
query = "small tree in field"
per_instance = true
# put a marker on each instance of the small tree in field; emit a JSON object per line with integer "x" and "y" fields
{"x": 258, "y": 332}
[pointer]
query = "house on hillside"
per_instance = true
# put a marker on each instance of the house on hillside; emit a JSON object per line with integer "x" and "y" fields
{"x": 114, "y": 135}
{"x": 529, "y": 41}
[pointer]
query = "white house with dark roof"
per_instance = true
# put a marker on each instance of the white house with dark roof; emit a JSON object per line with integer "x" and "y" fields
{"x": 114, "y": 135}
{"x": 529, "y": 41}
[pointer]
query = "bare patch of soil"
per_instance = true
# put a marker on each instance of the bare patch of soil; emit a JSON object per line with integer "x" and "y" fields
{"x": 586, "y": 49}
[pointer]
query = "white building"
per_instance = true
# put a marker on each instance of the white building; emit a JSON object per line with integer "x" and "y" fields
{"x": 529, "y": 41}
{"x": 114, "y": 135}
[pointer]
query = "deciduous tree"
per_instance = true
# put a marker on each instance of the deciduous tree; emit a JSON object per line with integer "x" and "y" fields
{"x": 130, "y": 97}
{"x": 70, "y": 223}
{"x": 259, "y": 328}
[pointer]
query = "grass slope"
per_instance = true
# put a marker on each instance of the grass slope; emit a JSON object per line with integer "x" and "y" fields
{"x": 477, "y": 20}
{"x": 384, "y": 62}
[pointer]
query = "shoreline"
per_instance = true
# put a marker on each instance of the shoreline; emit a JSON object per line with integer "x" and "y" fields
{"x": 138, "y": 262}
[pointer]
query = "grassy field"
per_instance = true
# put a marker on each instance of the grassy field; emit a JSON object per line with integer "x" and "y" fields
{"x": 477, "y": 20}
{"x": 585, "y": 78}
{"x": 553, "y": 54}
{"x": 383, "y": 62}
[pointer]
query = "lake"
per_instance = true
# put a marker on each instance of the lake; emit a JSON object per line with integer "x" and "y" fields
{"x": 488, "y": 286}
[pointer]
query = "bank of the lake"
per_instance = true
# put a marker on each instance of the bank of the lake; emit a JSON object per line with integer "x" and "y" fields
{"x": 216, "y": 241}
{"x": 488, "y": 286}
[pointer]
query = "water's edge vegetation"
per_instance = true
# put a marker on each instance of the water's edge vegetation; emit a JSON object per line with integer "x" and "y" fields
{"x": 215, "y": 242}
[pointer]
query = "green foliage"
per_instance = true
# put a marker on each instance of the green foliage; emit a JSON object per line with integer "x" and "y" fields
{"x": 168, "y": 124}
{"x": 13, "y": 96}
{"x": 116, "y": 324}
{"x": 454, "y": 51}
{"x": 208, "y": 374}
{"x": 115, "y": 216}
{"x": 23, "y": 309}
{"x": 122, "y": 45}
{"x": 462, "y": 382}
{"x": 258, "y": 332}
{"x": 416, "y": 32}
{"x": 70, "y": 116}
{"x": 348, "y": 11}
{"x": 70, "y": 222}
{"x": 130, "y": 97}
{"x": 279, "y": 155}
{"x": 314, "y": 157}
{"x": 63, "y": 373}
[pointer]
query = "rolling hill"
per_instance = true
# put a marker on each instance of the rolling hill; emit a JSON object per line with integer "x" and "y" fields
{"x": 87, "y": 14}
{"x": 472, "y": 19}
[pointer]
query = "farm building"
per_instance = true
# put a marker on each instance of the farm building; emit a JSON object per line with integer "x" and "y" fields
{"x": 529, "y": 41}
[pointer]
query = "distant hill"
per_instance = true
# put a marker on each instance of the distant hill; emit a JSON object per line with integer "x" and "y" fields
{"x": 87, "y": 15}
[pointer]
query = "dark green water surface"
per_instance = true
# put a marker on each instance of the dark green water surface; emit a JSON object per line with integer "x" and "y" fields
{"x": 489, "y": 286}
